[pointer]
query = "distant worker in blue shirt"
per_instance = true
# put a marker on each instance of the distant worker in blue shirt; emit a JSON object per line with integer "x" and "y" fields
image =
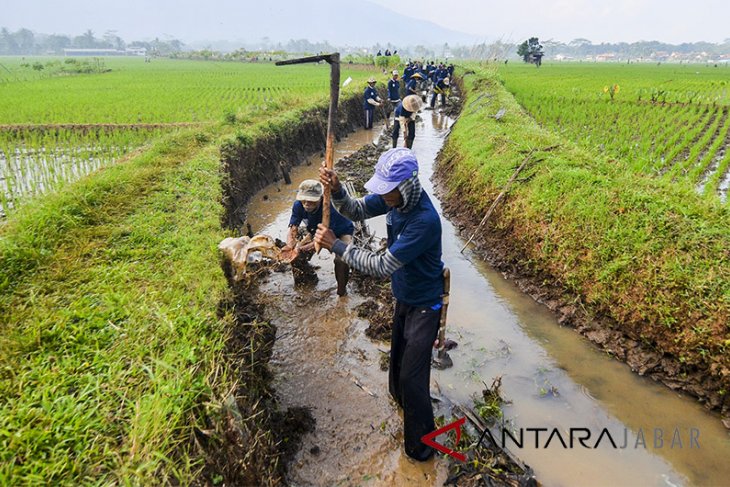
{"x": 308, "y": 209}
{"x": 405, "y": 115}
{"x": 440, "y": 88}
{"x": 413, "y": 263}
{"x": 370, "y": 101}
{"x": 412, "y": 85}
{"x": 393, "y": 91}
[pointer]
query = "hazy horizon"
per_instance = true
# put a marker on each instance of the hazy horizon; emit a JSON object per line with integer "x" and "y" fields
{"x": 339, "y": 22}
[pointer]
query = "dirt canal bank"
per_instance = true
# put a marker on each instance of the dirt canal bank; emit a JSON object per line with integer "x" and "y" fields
{"x": 555, "y": 379}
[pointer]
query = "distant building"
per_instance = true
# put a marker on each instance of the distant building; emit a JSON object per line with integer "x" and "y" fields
{"x": 609, "y": 56}
{"x": 135, "y": 51}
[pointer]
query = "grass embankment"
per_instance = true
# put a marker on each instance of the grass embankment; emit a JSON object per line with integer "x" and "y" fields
{"x": 653, "y": 256}
{"x": 118, "y": 340}
{"x": 110, "y": 339}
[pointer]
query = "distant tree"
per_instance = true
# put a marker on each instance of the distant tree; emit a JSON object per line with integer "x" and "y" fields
{"x": 57, "y": 43}
{"x": 423, "y": 52}
{"x": 8, "y": 44}
{"x": 113, "y": 40}
{"x": 531, "y": 51}
{"x": 579, "y": 42}
{"x": 85, "y": 41}
{"x": 26, "y": 41}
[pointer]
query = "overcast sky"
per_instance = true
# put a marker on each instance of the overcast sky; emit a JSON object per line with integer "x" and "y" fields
{"x": 672, "y": 21}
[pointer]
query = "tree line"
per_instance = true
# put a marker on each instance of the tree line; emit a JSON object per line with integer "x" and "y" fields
{"x": 26, "y": 42}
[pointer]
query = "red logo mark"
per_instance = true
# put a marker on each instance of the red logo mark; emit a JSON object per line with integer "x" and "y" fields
{"x": 429, "y": 439}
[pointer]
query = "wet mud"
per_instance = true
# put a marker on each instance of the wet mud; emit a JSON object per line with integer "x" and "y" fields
{"x": 323, "y": 362}
{"x": 240, "y": 439}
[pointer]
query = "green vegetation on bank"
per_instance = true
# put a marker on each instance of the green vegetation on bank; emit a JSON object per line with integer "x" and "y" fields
{"x": 110, "y": 341}
{"x": 651, "y": 254}
{"x": 669, "y": 120}
{"x": 112, "y": 334}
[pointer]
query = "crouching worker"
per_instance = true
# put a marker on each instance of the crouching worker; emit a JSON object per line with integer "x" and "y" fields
{"x": 405, "y": 114}
{"x": 308, "y": 209}
{"x": 413, "y": 262}
{"x": 441, "y": 88}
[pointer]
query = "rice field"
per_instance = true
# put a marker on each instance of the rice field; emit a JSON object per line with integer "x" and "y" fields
{"x": 665, "y": 120}
{"x": 57, "y": 125}
{"x": 162, "y": 91}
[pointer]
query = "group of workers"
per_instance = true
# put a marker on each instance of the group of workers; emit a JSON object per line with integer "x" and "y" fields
{"x": 412, "y": 259}
{"x": 417, "y": 79}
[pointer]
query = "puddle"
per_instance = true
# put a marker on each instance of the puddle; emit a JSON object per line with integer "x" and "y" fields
{"x": 554, "y": 377}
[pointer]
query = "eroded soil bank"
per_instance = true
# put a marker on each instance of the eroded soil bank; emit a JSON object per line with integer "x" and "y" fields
{"x": 252, "y": 164}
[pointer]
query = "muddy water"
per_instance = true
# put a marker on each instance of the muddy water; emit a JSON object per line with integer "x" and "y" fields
{"x": 30, "y": 172}
{"x": 554, "y": 378}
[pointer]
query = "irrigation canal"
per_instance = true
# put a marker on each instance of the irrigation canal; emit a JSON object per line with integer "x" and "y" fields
{"x": 554, "y": 378}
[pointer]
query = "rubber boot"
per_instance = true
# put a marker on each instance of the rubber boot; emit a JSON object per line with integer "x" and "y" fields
{"x": 342, "y": 275}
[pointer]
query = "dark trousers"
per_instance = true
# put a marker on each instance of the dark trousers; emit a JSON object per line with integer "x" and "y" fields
{"x": 409, "y": 137}
{"x": 433, "y": 99}
{"x": 390, "y": 106}
{"x": 414, "y": 331}
{"x": 369, "y": 117}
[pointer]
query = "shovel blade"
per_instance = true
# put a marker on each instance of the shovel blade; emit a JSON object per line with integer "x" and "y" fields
{"x": 442, "y": 360}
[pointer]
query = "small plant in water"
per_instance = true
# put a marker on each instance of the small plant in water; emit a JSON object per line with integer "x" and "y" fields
{"x": 489, "y": 406}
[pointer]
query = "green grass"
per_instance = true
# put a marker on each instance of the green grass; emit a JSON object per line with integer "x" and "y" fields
{"x": 666, "y": 120}
{"x": 112, "y": 349}
{"x": 649, "y": 253}
{"x": 164, "y": 90}
{"x": 135, "y": 93}
{"x": 109, "y": 336}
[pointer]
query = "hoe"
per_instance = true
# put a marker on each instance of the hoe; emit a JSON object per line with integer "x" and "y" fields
{"x": 334, "y": 62}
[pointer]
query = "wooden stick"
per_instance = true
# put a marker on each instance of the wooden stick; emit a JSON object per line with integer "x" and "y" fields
{"x": 330, "y": 150}
{"x": 499, "y": 198}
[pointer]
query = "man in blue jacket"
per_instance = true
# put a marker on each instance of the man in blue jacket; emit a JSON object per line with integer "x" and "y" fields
{"x": 412, "y": 84}
{"x": 371, "y": 99}
{"x": 413, "y": 262}
{"x": 308, "y": 209}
